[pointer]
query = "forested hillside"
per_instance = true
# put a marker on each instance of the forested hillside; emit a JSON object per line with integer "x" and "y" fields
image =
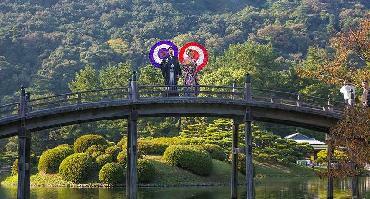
{"x": 56, "y": 46}
{"x": 43, "y": 43}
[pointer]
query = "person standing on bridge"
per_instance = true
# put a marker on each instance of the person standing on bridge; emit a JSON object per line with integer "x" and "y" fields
{"x": 348, "y": 91}
{"x": 171, "y": 72}
{"x": 190, "y": 74}
{"x": 365, "y": 97}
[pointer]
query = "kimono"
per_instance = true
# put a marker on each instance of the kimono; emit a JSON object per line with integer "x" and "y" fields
{"x": 190, "y": 78}
{"x": 171, "y": 70}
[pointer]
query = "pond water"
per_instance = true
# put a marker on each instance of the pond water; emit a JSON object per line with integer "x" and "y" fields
{"x": 287, "y": 188}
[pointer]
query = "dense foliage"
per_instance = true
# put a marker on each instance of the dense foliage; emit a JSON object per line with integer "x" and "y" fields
{"x": 77, "y": 168}
{"x": 60, "y": 37}
{"x": 95, "y": 150}
{"x": 43, "y": 44}
{"x": 50, "y": 159}
{"x": 145, "y": 171}
{"x": 190, "y": 158}
{"x": 149, "y": 147}
{"x": 352, "y": 136}
{"x": 15, "y": 167}
{"x": 113, "y": 150}
{"x": 103, "y": 159}
{"x": 122, "y": 158}
{"x": 84, "y": 142}
{"x": 215, "y": 151}
{"x": 112, "y": 173}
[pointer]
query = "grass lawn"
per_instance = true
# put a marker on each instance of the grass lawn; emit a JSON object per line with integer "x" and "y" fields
{"x": 167, "y": 175}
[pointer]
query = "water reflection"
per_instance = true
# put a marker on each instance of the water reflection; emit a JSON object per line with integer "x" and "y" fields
{"x": 291, "y": 188}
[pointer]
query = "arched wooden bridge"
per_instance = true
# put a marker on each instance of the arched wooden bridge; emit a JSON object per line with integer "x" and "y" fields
{"x": 239, "y": 103}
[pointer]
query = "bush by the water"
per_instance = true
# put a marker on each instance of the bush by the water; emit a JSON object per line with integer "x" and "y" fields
{"x": 148, "y": 147}
{"x": 122, "y": 158}
{"x": 77, "y": 167}
{"x": 188, "y": 157}
{"x": 103, "y": 159}
{"x": 112, "y": 173}
{"x": 215, "y": 151}
{"x": 145, "y": 171}
{"x": 50, "y": 159}
{"x": 84, "y": 142}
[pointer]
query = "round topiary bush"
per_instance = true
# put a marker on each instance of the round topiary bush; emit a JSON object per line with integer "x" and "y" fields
{"x": 147, "y": 147}
{"x": 145, "y": 171}
{"x": 188, "y": 157}
{"x": 84, "y": 142}
{"x": 77, "y": 167}
{"x": 112, "y": 173}
{"x": 113, "y": 150}
{"x": 122, "y": 158}
{"x": 103, "y": 159}
{"x": 95, "y": 150}
{"x": 215, "y": 151}
{"x": 50, "y": 159}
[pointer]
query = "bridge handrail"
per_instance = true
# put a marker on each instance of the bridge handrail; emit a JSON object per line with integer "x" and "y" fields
{"x": 154, "y": 91}
{"x": 79, "y": 92}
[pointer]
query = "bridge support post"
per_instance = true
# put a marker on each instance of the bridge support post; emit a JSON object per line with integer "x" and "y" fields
{"x": 355, "y": 182}
{"x": 330, "y": 186}
{"x": 131, "y": 172}
{"x": 24, "y": 150}
{"x": 248, "y": 159}
{"x": 134, "y": 88}
{"x": 234, "y": 171}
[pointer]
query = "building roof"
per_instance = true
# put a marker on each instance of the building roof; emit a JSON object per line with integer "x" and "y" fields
{"x": 300, "y": 138}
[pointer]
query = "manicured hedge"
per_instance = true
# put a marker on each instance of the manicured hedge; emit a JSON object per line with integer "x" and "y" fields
{"x": 50, "y": 159}
{"x": 148, "y": 147}
{"x": 113, "y": 150}
{"x": 122, "y": 143}
{"x": 77, "y": 168}
{"x": 84, "y": 142}
{"x": 15, "y": 167}
{"x": 112, "y": 173}
{"x": 189, "y": 157}
{"x": 122, "y": 158}
{"x": 103, "y": 159}
{"x": 215, "y": 151}
{"x": 95, "y": 150}
{"x": 145, "y": 171}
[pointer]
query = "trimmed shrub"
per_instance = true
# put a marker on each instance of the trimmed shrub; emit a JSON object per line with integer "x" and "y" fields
{"x": 241, "y": 163}
{"x": 145, "y": 171}
{"x": 122, "y": 158}
{"x": 15, "y": 167}
{"x": 84, "y": 142}
{"x": 103, "y": 159}
{"x": 50, "y": 159}
{"x": 188, "y": 157}
{"x": 95, "y": 150}
{"x": 147, "y": 147}
{"x": 77, "y": 167}
{"x": 113, "y": 150}
{"x": 215, "y": 151}
{"x": 122, "y": 143}
{"x": 112, "y": 173}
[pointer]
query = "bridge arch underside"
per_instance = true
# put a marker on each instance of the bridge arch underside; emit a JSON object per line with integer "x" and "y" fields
{"x": 317, "y": 120}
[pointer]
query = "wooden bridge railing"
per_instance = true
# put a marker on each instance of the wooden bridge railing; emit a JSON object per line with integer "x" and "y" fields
{"x": 147, "y": 92}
